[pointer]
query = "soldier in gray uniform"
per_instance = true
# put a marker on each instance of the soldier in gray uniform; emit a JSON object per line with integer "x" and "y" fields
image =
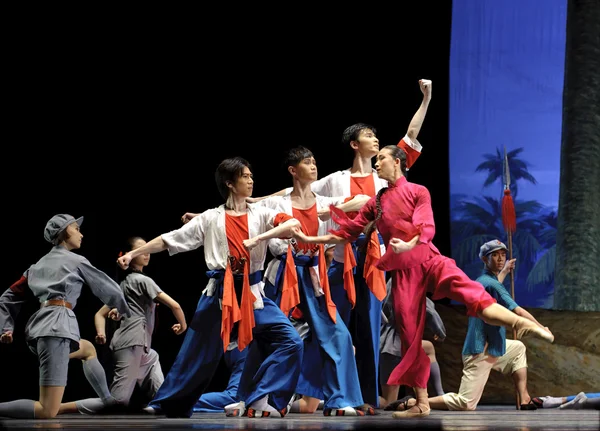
{"x": 52, "y": 332}
{"x": 135, "y": 362}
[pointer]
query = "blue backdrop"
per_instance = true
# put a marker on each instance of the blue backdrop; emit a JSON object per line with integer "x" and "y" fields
{"x": 506, "y": 83}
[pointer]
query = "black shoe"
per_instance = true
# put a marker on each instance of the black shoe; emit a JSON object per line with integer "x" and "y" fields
{"x": 538, "y": 402}
{"x": 402, "y": 401}
{"x": 529, "y": 406}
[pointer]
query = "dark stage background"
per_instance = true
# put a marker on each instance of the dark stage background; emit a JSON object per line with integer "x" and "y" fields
{"x": 127, "y": 130}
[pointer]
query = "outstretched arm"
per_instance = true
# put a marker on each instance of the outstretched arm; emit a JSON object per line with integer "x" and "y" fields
{"x": 417, "y": 120}
{"x": 409, "y": 142}
{"x": 252, "y": 200}
{"x": 104, "y": 287}
{"x": 181, "y": 326}
{"x": 282, "y": 230}
{"x": 154, "y": 246}
{"x": 355, "y": 203}
{"x": 320, "y": 239}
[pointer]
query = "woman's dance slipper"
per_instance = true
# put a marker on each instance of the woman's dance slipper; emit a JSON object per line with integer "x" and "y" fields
{"x": 408, "y": 414}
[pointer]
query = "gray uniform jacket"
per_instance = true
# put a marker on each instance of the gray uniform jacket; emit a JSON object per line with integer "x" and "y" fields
{"x": 389, "y": 337}
{"x": 60, "y": 274}
{"x": 136, "y": 329}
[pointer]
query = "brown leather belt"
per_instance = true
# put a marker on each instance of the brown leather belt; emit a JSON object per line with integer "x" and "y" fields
{"x": 59, "y": 302}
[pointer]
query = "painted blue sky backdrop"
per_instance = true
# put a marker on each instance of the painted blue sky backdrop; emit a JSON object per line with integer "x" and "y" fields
{"x": 506, "y": 91}
{"x": 506, "y": 84}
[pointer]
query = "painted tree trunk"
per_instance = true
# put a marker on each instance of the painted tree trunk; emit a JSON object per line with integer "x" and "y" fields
{"x": 577, "y": 274}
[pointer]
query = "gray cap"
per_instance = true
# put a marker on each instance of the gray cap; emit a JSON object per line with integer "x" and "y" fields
{"x": 57, "y": 224}
{"x": 490, "y": 247}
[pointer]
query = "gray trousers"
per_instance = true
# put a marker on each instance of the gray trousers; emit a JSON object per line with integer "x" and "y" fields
{"x": 133, "y": 366}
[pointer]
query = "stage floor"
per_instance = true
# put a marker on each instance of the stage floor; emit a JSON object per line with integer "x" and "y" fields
{"x": 484, "y": 418}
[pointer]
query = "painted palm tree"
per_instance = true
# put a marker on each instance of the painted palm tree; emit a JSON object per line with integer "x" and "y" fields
{"x": 474, "y": 222}
{"x": 494, "y": 166}
{"x": 543, "y": 269}
{"x": 478, "y": 220}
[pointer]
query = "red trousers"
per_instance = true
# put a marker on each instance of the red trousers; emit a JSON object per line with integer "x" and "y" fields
{"x": 440, "y": 276}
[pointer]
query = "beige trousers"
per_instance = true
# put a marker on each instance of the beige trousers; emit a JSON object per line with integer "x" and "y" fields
{"x": 476, "y": 370}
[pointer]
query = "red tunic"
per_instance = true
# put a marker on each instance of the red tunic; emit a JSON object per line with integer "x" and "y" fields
{"x": 406, "y": 212}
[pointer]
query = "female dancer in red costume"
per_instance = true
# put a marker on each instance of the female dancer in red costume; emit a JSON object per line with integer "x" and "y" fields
{"x": 402, "y": 213}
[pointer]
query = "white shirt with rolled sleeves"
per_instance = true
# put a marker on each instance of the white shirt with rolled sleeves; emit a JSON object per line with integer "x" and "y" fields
{"x": 208, "y": 230}
{"x": 277, "y": 247}
{"x": 61, "y": 274}
{"x": 338, "y": 184}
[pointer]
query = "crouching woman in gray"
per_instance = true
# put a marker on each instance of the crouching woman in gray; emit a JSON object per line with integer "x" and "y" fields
{"x": 52, "y": 332}
{"x": 135, "y": 361}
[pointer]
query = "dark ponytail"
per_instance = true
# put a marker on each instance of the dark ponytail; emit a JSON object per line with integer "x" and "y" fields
{"x": 370, "y": 227}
